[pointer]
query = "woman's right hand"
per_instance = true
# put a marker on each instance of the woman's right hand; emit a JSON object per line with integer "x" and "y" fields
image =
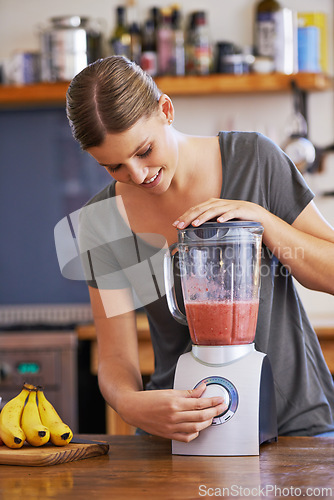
{"x": 172, "y": 414}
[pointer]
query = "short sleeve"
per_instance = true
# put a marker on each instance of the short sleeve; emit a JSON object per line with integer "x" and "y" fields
{"x": 284, "y": 187}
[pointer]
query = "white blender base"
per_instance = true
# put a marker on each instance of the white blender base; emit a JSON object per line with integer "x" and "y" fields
{"x": 239, "y": 432}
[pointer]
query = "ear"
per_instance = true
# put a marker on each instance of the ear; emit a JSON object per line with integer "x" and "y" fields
{"x": 166, "y": 108}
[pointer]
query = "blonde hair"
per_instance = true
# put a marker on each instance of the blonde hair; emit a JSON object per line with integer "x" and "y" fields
{"x": 109, "y": 95}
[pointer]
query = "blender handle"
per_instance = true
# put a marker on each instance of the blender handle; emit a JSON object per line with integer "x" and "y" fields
{"x": 169, "y": 286}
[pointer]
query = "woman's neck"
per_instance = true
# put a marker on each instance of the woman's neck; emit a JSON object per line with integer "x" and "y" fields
{"x": 198, "y": 158}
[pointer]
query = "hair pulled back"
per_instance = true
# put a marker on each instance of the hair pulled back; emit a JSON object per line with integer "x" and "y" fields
{"x": 109, "y": 95}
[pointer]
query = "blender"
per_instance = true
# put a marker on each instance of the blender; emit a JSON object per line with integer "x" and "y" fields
{"x": 219, "y": 269}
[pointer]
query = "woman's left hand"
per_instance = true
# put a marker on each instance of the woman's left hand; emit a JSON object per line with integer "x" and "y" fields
{"x": 221, "y": 210}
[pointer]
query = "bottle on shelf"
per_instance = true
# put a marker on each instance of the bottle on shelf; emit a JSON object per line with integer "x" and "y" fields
{"x": 154, "y": 14}
{"x": 120, "y": 40}
{"x": 189, "y": 45}
{"x": 135, "y": 42}
{"x": 148, "y": 58}
{"x": 165, "y": 43}
{"x": 265, "y": 28}
{"x": 199, "y": 50}
{"x": 178, "y": 56}
{"x": 275, "y": 36}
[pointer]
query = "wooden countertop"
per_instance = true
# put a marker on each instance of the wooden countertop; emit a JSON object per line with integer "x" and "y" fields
{"x": 143, "y": 467}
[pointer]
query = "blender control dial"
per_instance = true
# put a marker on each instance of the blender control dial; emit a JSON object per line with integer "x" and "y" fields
{"x": 219, "y": 386}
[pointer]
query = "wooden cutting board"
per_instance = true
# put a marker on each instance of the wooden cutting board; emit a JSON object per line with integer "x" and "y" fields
{"x": 50, "y": 454}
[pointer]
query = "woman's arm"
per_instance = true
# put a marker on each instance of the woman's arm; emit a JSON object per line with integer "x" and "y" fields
{"x": 117, "y": 344}
{"x": 171, "y": 414}
{"x": 306, "y": 247}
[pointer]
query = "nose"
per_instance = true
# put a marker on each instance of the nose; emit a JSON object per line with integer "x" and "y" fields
{"x": 137, "y": 173}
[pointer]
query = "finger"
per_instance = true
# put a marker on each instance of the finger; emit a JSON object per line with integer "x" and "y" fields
{"x": 234, "y": 213}
{"x": 202, "y": 415}
{"x": 194, "y": 212}
{"x": 184, "y": 437}
{"x": 197, "y": 392}
{"x": 197, "y": 402}
{"x": 199, "y": 215}
{"x": 212, "y": 213}
{"x": 189, "y": 428}
{"x": 199, "y": 415}
{"x": 222, "y": 214}
{"x": 228, "y": 216}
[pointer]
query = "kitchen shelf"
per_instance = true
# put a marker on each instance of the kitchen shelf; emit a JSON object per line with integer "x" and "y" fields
{"x": 247, "y": 83}
{"x": 54, "y": 93}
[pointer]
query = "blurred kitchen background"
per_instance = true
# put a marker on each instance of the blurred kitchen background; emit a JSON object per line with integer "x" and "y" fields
{"x": 44, "y": 177}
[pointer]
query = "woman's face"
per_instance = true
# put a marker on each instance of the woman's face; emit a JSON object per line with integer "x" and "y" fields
{"x": 144, "y": 156}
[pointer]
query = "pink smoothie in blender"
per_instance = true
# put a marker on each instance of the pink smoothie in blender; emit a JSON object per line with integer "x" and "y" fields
{"x": 222, "y": 322}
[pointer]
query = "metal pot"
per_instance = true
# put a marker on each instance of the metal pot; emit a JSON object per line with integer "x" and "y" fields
{"x": 298, "y": 147}
{"x": 69, "y": 44}
{"x": 301, "y": 151}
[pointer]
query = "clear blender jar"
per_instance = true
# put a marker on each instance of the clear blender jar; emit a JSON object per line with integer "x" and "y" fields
{"x": 219, "y": 266}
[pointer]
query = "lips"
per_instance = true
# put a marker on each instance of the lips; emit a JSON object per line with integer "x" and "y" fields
{"x": 152, "y": 181}
{"x": 152, "y": 178}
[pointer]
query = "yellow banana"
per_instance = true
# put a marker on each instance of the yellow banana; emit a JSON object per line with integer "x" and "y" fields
{"x": 36, "y": 433}
{"x": 11, "y": 432}
{"x": 60, "y": 433}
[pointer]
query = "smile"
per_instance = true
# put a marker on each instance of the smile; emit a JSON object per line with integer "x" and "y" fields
{"x": 152, "y": 178}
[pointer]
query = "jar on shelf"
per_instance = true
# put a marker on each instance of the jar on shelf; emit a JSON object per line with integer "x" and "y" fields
{"x": 69, "y": 44}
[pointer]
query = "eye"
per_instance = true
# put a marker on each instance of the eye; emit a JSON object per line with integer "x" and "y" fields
{"x": 147, "y": 152}
{"x": 112, "y": 170}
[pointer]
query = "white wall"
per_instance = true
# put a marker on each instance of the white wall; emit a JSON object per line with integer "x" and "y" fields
{"x": 20, "y": 21}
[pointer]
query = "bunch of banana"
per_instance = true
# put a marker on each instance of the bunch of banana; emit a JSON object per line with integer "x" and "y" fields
{"x": 30, "y": 416}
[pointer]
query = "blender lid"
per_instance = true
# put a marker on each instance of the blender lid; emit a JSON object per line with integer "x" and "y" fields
{"x": 234, "y": 229}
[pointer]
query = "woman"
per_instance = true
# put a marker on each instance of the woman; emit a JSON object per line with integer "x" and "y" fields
{"x": 165, "y": 180}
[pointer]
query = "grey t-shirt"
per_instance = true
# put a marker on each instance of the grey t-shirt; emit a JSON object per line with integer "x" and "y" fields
{"x": 256, "y": 170}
